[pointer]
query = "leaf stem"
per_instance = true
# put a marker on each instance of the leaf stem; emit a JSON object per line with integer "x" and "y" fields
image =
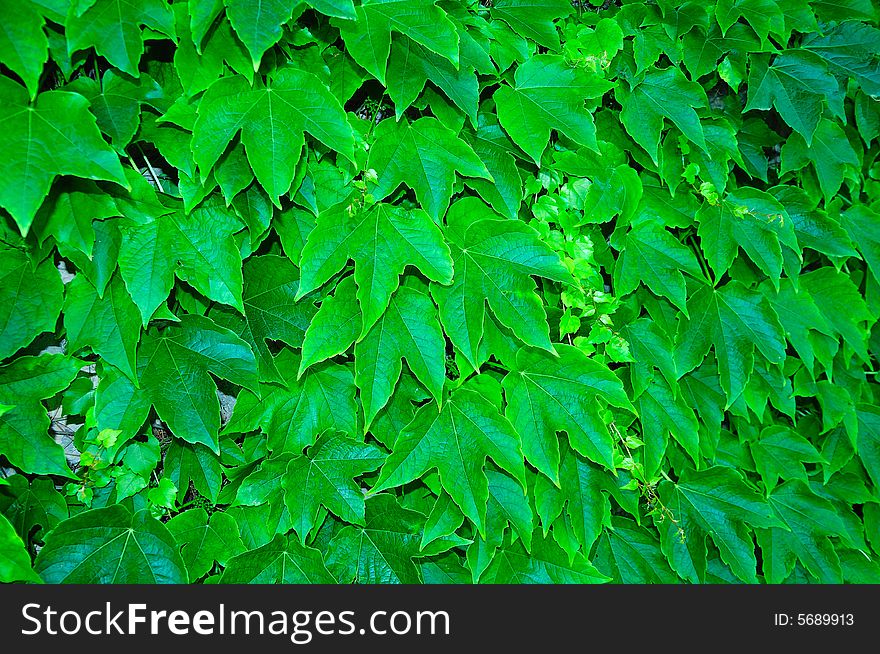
{"x": 152, "y": 171}
{"x": 703, "y": 263}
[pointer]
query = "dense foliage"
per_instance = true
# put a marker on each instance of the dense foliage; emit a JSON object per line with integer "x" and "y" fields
{"x": 440, "y": 291}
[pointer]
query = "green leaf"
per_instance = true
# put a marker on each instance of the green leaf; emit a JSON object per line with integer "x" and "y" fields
{"x": 29, "y": 379}
{"x": 338, "y": 8}
{"x": 813, "y": 227}
{"x": 444, "y": 519}
{"x": 15, "y": 563}
{"x": 829, "y": 151}
{"x": 424, "y": 155}
{"x": 113, "y": 28}
{"x": 456, "y": 441}
{"x": 187, "y": 463}
{"x": 664, "y": 413}
{"x": 782, "y": 453}
{"x": 715, "y": 502}
{"x": 204, "y": 541}
{"x": 662, "y": 94}
{"x": 55, "y": 136}
{"x": 630, "y": 554}
{"x": 548, "y": 95}
{"x": 411, "y": 66}
{"x": 504, "y": 192}
{"x": 533, "y": 19}
{"x": 493, "y": 260}
{"x": 294, "y": 414}
{"x": 508, "y": 505}
{"x": 116, "y": 103}
{"x": 701, "y": 50}
{"x": 869, "y": 440}
{"x": 258, "y": 25}
{"x": 325, "y": 477}
{"x": 32, "y": 300}
{"x": 840, "y": 303}
{"x": 196, "y": 248}
{"x": 271, "y": 310}
{"x": 547, "y": 563}
{"x": 807, "y": 521}
{"x": 24, "y": 48}
{"x": 547, "y": 394}
{"x": 850, "y": 49}
{"x": 734, "y": 321}
{"x": 282, "y": 561}
{"x": 24, "y": 438}
{"x": 111, "y": 325}
{"x": 408, "y": 330}
{"x": 747, "y": 219}
{"x": 860, "y": 223}
{"x": 68, "y": 214}
{"x": 797, "y": 84}
{"x": 111, "y": 545}
{"x": 292, "y": 103}
{"x": 173, "y": 369}
{"x": 382, "y": 550}
{"x": 382, "y": 241}
{"x": 764, "y": 16}
{"x": 368, "y": 38}
{"x": 581, "y": 491}
{"x": 120, "y": 405}
{"x": 651, "y": 255}
{"x": 335, "y": 327}
{"x": 34, "y": 507}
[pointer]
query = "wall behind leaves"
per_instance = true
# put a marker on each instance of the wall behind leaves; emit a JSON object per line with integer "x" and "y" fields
{"x": 414, "y": 291}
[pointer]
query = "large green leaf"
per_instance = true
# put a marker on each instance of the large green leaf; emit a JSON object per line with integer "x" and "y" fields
{"x": 111, "y": 324}
{"x": 24, "y": 437}
{"x": 271, "y": 310}
{"x": 409, "y": 330}
{"x": 24, "y": 47}
{"x": 718, "y": 503}
{"x": 734, "y": 321}
{"x": 424, "y": 155}
{"x": 807, "y": 522}
{"x": 747, "y": 219}
{"x": 547, "y": 563}
{"x": 173, "y": 369}
{"x": 493, "y": 261}
{"x": 295, "y": 413}
{"x": 456, "y": 441}
{"x": 32, "y": 299}
{"x": 204, "y": 540}
{"x": 113, "y": 28}
{"x": 368, "y": 37}
{"x": 258, "y": 24}
{"x": 382, "y": 241}
{"x": 533, "y": 19}
{"x": 55, "y": 136}
{"x": 282, "y": 561}
{"x": 325, "y": 476}
{"x": 548, "y": 95}
{"x": 662, "y": 94}
{"x": 15, "y": 564}
{"x": 196, "y": 248}
{"x": 111, "y": 545}
{"x": 652, "y": 256}
{"x": 292, "y": 103}
{"x": 797, "y": 84}
{"x": 382, "y": 550}
{"x": 547, "y": 394}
